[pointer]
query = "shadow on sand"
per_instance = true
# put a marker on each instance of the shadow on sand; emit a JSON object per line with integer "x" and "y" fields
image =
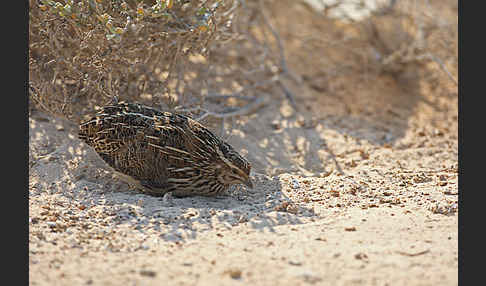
{"x": 64, "y": 166}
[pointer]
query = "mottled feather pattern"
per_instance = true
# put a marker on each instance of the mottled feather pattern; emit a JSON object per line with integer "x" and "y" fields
{"x": 165, "y": 152}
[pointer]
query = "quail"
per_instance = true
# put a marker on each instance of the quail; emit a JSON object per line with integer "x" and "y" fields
{"x": 163, "y": 152}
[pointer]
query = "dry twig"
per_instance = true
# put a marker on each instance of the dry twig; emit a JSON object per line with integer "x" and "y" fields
{"x": 245, "y": 110}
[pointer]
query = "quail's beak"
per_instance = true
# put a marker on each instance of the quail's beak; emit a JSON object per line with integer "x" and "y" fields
{"x": 249, "y": 183}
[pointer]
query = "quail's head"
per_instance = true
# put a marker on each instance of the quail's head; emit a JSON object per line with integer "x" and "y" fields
{"x": 235, "y": 169}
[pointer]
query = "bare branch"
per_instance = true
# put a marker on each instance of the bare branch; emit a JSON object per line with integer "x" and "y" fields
{"x": 245, "y": 110}
{"x": 443, "y": 67}
{"x": 283, "y": 63}
{"x": 288, "y": 94}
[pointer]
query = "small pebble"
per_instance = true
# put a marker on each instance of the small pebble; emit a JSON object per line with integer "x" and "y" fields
{"x": 295, "y": 263}
{"x": 295, "y": 184}
{"x": 148, "y": 273}
{"x": 235, "y": 273}
{"x": 276, "y": 125}
{"x": 51, "y": 224}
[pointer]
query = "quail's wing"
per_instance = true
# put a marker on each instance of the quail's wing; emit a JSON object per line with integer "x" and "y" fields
{"x": 109, "y": 132}
{"x": 122, "y": 127}
{"x": 176, "y": 136}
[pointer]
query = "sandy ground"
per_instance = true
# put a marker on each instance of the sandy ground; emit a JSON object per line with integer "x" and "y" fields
{"x": 332, "y": 205}
{"x": 358, "y": 188}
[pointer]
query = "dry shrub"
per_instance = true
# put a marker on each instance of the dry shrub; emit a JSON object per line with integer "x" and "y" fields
{"x": 164, "y": 53}
{"x": 413, "y": 34}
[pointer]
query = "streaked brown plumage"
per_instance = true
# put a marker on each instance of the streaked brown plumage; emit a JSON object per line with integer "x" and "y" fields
{"x": 164, "y": 152}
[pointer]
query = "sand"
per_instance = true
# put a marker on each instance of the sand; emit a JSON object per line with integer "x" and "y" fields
{"x": 331, "y": 206}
